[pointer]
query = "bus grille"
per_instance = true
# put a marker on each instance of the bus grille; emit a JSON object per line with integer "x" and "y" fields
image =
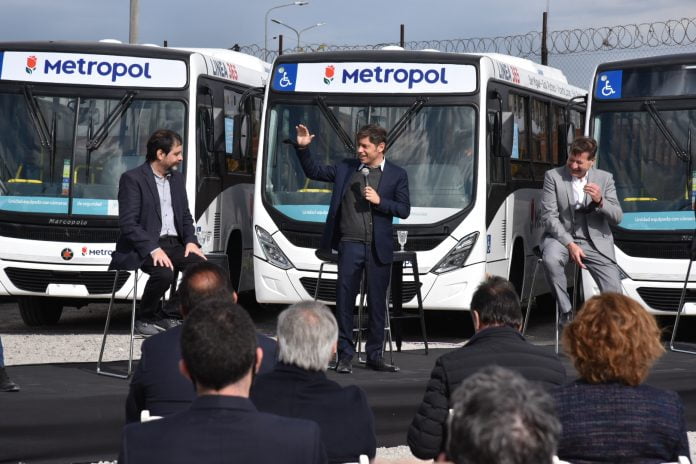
{"x": 414, "y": 243}
{"x": 660, "y": 250}
{"x": 327, "y": 289}
{"x": 59, "y": 234}
{"x": 665, "y": 299}
{"x": 36, "y": 280}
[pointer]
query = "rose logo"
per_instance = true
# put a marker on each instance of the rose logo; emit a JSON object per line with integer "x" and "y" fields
{"x": 329, "y": 74}
{"x": 31, "y": 64}
{"x": 84, "y": 251}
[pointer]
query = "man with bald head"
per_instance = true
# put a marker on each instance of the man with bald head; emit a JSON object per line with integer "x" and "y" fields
{"x": 157, "y": 384}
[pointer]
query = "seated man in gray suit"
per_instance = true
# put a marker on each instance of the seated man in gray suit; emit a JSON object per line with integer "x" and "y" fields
{"x": 579, "y": 205}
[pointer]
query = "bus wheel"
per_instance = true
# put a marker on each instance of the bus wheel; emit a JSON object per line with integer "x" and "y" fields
{"x": 37, "y": 311}
{"x": 517, "y": 267}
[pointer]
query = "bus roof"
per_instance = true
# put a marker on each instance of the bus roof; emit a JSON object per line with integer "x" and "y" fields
{"x": 661, "y": 60}
{"x": 100, "y": 64}
{"x": 515, "y": 70}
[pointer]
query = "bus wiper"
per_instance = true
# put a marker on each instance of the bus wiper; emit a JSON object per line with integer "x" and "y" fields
{"x": 400, "y": 125}
{"x": 115, "y": 114}
{"x": 669, "y": 136}
{"x": 37, "y": 118}
{"x": 335, "y": 125}
{"x": 249, "y": 93}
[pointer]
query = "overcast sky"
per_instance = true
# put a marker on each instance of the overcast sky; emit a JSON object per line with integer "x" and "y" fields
{"x": 222, "y": 23}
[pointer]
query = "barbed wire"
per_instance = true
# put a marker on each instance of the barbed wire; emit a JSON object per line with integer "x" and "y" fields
{"x": 672, "y": 32}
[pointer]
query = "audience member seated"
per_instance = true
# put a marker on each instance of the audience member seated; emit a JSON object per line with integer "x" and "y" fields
{"x": 298, "y": 387}
{"x": 608, "y": 415}
{"x": 220, "y": 355}
{"x": 498, "y": 417}
{"x": 157, "y": 384}
{"x": 497, "y": 316}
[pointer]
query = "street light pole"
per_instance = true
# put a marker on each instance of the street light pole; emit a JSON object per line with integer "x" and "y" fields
{"x": 297, "y": 33}
{"x": 265, "y": 24}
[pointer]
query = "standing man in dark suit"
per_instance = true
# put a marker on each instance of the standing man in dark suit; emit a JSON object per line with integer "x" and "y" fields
{"x": 368, "y": 192}
{"x": 579, "y": 206}
{"x": 157, "y": 233}
{"x": 220, "y": 357}
{"x": 298, "y": 387}
{"x": 157, "y": 385}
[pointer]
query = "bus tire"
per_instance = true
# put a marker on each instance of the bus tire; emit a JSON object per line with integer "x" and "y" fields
{"x": 516, "y": 277}
{"x": 234, "y": 258}
{"x": 36, "y": 311}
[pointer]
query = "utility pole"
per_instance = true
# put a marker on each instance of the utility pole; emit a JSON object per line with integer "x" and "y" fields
{"x": 402, "y": 35}
{"x": 544, "y": 32}
{"x": 133, "y": 30}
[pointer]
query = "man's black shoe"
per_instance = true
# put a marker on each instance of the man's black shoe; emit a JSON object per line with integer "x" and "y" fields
{"x": 381, "y": 366}
{"x": 167, "y": 323}
{"x": 345, "y": 366}
{"x": 565, "y": 318}
{"x": 7, "y": 385}
{"x": 146, "y": 328}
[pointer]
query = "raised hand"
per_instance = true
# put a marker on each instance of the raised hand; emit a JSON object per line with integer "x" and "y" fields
{"x": 304, "y": 138}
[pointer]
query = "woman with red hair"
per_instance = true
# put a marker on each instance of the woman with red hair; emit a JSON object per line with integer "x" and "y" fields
{"x": 608, "y": 415}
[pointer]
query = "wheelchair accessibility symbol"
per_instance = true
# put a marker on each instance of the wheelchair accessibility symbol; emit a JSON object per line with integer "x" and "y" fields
{"x": 285, "y": 77}
{"x": 285, "y": 81}
{"x": 609, "y": 85}
{"x": 607, "y": 91}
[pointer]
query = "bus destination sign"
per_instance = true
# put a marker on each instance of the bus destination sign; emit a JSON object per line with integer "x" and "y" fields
{"x": 86, "y": 69}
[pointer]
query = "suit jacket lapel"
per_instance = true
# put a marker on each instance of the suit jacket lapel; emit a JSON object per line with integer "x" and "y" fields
{"x": 568, "y": 182}
{"x": 379, "y": 184}
{"x": 588, "y": 199}
{"x": 150, "y": 182}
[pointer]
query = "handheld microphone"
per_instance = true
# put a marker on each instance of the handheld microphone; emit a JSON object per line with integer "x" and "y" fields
{"x": 366, "y": 172}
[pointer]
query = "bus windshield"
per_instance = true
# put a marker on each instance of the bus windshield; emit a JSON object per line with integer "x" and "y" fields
{"x": 65, "y": 155}
{"x": 654, "y": 185}
{"x": 437, "y": 150}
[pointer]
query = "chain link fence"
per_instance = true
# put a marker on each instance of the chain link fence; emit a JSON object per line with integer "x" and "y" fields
{"x": 575, "y": 51}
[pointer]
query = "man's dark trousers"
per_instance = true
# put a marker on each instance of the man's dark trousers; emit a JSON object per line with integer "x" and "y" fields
{"x": 352, "y": 258}
{"x": 161, "y": 278}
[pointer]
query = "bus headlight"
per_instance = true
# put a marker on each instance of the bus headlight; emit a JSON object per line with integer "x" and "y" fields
{"x": 457, "y": 256}
{"x": 270, "y": 248}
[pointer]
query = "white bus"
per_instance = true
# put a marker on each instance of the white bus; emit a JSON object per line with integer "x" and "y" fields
{"x": 475, "y": 134}
{"x": 642, "y": 114}
{"x": 74, "y": 117}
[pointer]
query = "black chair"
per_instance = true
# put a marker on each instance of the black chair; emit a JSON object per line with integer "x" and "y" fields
{"x": 682, "y": 300}
{"x": 540, "y": 261}
{"x": 133, "y": 335}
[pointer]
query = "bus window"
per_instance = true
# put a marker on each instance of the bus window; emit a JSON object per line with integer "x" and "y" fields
{"x": 520, "y": 168}
{"x": 540, "y": 137}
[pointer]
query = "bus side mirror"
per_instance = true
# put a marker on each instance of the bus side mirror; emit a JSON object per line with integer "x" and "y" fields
{"x": 240, "y": 137}
{"x": 504, "y": 134}
{"x": 207, "y": 133}
{"x": 566, "y": 135}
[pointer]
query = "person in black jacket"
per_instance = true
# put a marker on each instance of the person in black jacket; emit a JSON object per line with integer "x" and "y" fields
{"x": 298, "y": 387}
{"x": 497, "y": 316}
{"x": 220, "y": 355}
{"x": 157, "y": 385}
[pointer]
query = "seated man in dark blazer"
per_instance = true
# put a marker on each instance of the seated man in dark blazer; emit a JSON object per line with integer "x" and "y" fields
{"x": 497, "y": 316}
{"x": 157, "y": 233}
{"x": 298, "y": 387}
{"x": 157, "y": 385}
{"x": 220, "y": 356}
